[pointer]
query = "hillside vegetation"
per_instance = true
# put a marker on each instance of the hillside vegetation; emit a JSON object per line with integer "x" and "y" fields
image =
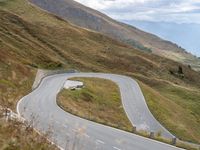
{"x": 17, "y": 136}
{"x": 31, "y": 38}
{"x": 83, "y": 16}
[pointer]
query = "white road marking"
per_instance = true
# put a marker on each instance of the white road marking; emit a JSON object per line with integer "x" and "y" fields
{"x": 116, "y": 148}
{"x": 86, "y": 135}
{"x": 74, "y": 130}
{"x": 99, "y": 141}
{"x": 65, "y": 126}
{"x": 57, "y": 122}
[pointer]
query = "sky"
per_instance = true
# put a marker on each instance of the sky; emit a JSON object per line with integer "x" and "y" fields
{"x": 172, "y": 11}
{"x": 179, "y": 11}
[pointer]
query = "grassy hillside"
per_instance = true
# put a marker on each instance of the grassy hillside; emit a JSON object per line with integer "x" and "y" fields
{"x": 91, "y": 19}
{"x": 176, "y": 108}
{"x": 31, "y": 38}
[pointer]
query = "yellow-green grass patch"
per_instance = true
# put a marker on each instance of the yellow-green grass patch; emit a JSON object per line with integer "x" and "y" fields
{"x": 176, "y": 108}
{"x": 98, "y": 101}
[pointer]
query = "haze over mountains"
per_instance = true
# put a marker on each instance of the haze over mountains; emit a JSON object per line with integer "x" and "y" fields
{"x": 88, "y": 18}
{"x": 186, "y": 35}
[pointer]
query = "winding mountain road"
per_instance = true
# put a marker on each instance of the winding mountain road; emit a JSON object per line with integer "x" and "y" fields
{"x": 71, "y": 132}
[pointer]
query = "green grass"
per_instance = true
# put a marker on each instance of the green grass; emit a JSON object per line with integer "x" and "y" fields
{"x": 7, "y": 83}
{"x": 176, "y": 108}
{"x": 27, "y": 11}
{"x": 98, "y": 101}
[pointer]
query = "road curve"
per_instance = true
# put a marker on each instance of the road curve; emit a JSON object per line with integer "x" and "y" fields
{"x": 71, "y": 132}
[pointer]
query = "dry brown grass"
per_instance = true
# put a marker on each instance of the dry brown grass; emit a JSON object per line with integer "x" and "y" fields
{"x": 125, "y": 33}
{"x": 15, "y": 135}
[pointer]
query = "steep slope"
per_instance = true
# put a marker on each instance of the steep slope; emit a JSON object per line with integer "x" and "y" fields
{"x": 92, "y": 19}
{"x": 186, "y": 35}
{"x": 31, "y": 38}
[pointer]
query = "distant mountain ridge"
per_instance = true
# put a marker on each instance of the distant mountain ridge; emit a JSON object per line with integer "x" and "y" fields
{"x": 88, "y": 18}
{"x": 186, "y": 35}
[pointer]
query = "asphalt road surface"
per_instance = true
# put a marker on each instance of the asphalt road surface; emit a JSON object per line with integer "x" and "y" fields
{"x": 71, "y": 132}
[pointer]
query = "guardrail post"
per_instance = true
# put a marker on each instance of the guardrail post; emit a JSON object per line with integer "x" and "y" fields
{"x": 174, "y": 141}
{"x": 151, "y": 135}
{"x": 134, "y": 129}
{"x": 7, "y": 114}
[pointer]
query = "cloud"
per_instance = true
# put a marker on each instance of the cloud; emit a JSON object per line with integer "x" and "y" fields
{"x": 179, "y": 11}
{"x": 109, "y": 4}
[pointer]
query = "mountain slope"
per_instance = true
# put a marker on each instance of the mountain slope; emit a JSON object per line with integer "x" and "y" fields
{"x": 31, "y": 38}
{"x": 186, "y": 35}
{"x": 91, "y": 19}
